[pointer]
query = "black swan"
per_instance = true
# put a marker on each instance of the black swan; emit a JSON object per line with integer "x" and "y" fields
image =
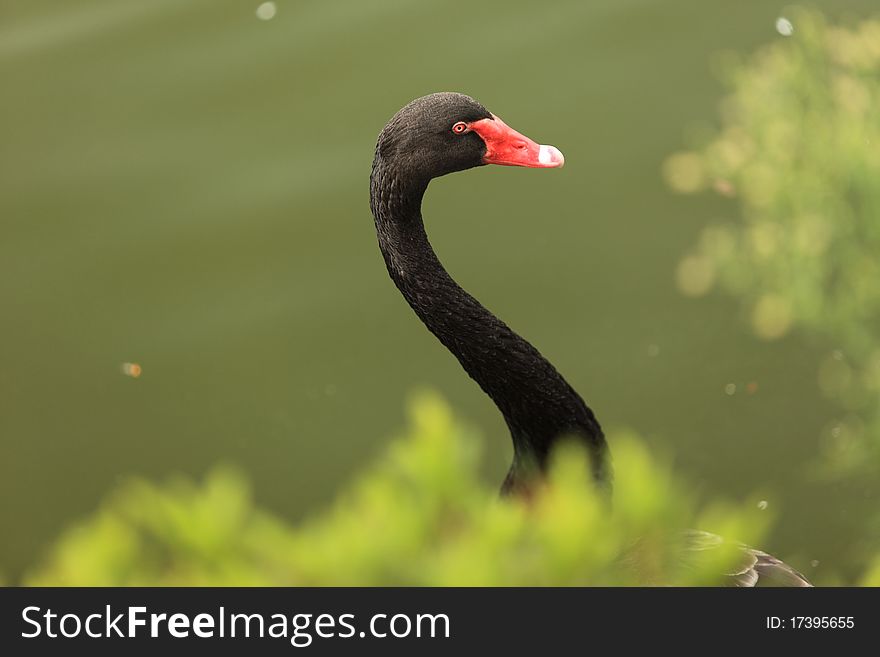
{"x": 446, "y": 132}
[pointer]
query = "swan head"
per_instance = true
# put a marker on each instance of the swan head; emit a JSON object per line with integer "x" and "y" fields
{"x": 445, "y": 132}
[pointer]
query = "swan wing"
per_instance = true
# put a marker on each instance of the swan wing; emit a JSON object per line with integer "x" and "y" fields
{"x": 755, "y": 568}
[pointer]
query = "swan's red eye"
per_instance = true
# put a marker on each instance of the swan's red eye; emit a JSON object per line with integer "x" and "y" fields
{"x": 459, "y": 127}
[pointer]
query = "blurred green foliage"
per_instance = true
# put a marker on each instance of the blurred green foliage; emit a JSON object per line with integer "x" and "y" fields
{"x": 419, "y": 516}
{"x": 872, "y": 577}
{"x": 799, "y": 148}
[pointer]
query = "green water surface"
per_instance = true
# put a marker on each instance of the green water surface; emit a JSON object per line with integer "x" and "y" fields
{"x": 184, "y": 186}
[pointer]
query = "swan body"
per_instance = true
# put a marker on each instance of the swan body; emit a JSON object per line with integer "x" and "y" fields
{"x": 446, "y": 132}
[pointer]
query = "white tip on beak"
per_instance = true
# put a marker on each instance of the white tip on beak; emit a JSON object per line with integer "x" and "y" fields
{"x": 550, "y": 156}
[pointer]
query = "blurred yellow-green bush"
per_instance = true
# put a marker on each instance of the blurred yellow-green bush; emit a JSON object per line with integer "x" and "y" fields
{"x": 798, "y": 147}
{"x": 872, "y": 577}
{"x": 419, "y": 516}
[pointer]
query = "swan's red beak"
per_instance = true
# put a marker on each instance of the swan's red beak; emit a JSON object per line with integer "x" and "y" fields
{"x": 504, "y": 145}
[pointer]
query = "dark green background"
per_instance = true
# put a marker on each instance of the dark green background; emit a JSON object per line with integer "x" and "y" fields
{"x": 184, "y": 186}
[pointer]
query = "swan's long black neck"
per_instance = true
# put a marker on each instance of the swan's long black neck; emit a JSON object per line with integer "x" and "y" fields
{"x": 538, "y": 405}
